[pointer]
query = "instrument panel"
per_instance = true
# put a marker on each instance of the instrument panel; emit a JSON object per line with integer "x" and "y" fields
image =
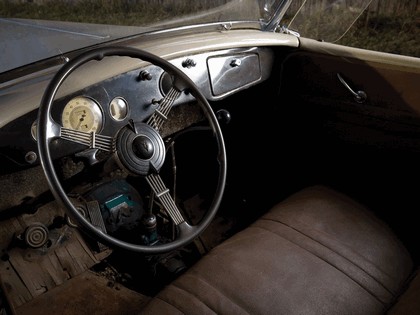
{"x": 105, "y": 107}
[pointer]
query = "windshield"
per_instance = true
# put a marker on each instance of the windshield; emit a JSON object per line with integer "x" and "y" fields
{"x": 34, "y": 30}
{"x": 387, "y": 26}
{"x": 324, "y": 20}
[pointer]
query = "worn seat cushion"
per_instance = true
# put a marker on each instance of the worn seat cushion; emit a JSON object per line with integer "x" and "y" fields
{"x": 317, "y": 252}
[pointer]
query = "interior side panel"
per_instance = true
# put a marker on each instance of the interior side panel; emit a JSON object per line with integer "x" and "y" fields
{"x": 368, "y": 149}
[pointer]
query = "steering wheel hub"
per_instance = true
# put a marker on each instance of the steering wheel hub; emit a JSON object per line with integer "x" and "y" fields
{"x": 142, "y": 151}
{"x": 143, "y": 147}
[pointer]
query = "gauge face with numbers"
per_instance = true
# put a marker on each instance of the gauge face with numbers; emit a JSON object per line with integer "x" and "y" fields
{"x": 82, "y": 113}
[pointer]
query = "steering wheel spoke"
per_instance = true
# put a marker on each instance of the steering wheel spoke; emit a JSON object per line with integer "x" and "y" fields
{"x": 164, "y": 196}
{"x": 161, "y": 113}
{"x": 89, "y": 139}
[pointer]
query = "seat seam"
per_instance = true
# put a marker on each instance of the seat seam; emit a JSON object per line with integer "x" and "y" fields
{"x": 339, "y": 254}
{"x": 195, "y": 296}
{"x": 170, "y": 304}
{"x": 366, "y": 214}
{"x": 335, "y": 267}
{"x": 193, "y": 275}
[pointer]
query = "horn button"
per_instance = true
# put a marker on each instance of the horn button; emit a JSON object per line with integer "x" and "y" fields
{"x": 143, "y": 147}
{"x": 140, "y": 149}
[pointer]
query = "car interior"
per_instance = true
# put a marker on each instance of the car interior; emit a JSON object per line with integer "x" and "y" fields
{"x": 248, "y": 173}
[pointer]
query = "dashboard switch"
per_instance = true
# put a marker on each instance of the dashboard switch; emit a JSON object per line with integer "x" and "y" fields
{"x": 189, "y": 63}
{"x": 145, "y": 75}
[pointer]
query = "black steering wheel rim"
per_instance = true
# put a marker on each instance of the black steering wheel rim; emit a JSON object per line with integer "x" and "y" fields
{"x": 186, "y": 233}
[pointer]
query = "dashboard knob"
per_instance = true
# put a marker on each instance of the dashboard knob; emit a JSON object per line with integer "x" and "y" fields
{"x": 189, "y": 63}
{"x": 145, "y": 75}
{"x": 223, "y": 116}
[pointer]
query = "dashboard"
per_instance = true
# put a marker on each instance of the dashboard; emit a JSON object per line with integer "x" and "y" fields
{"x": 109, "y": 105}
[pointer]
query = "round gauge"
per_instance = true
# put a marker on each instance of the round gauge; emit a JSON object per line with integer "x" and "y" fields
{"x": 118, "y": 108}
{"x": 82, "y": 113}
{"x": 33, "y": 130}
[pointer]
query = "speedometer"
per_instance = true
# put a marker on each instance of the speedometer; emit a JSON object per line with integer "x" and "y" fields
{"x": 82, "y": 113}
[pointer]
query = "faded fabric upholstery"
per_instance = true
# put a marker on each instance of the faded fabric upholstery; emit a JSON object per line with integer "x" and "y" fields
{"x": 317, "y": 252}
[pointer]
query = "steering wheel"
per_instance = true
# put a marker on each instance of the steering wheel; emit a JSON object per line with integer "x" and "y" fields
{"x": 138, "y": 148}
